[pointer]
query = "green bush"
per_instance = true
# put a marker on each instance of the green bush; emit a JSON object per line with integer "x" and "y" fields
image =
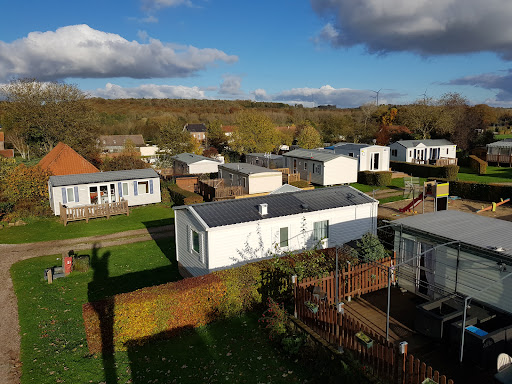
{"x": 421, "y": 170}
{"x": 478, "y": 165}
{"x": 477, "y": 191}
{"x": 379, "y": 179}
{"x": 180, "y": 196}
{"x": 300, "y": 184}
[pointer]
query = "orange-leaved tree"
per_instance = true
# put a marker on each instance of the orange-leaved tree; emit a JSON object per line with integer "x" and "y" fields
{"x": 27, "y": 184}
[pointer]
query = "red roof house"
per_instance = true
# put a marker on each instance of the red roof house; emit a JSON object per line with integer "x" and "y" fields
{"x": 63, "y": 160}
{"x": 5, "y": 152}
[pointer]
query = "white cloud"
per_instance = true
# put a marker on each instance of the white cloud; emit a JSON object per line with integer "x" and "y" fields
{"x": 422, "y": 26}
{"x": 260, "y": 94}
{"x": 149, "y": 91}
{"x": 231, "y": 85}
{"x": 83, "y": 52}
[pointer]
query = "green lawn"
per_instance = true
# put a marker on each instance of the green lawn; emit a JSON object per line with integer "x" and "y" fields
{"x": 502, "y": 137}
{"x": 395, "y": 184}
{"x": 54, "y": 348}
{"x": 494, "y": 175}
{"x": 45, "y": 229}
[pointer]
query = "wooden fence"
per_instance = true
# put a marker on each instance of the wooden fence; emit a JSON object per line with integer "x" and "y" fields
{"x": 214, "y": 189}
{"x": 287, "y": 176}
{"x": 353, "y": 280}
{"x": 382, "y": 358}
{"x": 86, "y": 212}
{"x": 443, "y": 161}
{"x": 500, "y": 159}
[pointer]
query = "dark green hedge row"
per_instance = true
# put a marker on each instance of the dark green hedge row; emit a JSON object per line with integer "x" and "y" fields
{"x": 380, "y": 179}
{"x": 477, "y": 191}
{"x": 478, "y": 165}
{"x": 448, "y": 172}
{"x": 182, "y": 197}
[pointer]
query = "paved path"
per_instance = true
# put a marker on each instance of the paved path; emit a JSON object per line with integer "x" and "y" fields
{"x": 10, "y": 365}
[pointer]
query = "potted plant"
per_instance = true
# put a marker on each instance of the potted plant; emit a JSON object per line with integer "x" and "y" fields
{"x": 364, "y": 339}
{"x": 313, "y": 307}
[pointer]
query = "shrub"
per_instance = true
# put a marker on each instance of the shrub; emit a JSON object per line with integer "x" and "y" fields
{"x": 477, "y": 191}
{"x": 180, "y": 196}
{"x": 478, "y": 165}
{"x": 300, "y": 184}
{"x": 421, "y": 170}
{"x": 380, "y": 179}
{"x": 275, "y": 319}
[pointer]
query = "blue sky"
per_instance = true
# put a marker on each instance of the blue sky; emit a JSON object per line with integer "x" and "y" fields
{"x": 309, "y": 52}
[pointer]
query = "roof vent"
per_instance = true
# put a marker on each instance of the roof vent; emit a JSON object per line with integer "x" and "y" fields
{"x": 263, "y": 209}
{"x": 305, "y": 207}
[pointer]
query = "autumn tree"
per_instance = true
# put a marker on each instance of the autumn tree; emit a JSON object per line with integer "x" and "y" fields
{"x": 216, "y": 136}
{"x": 255, "y": 132}
{"x": 39, "y": 115}
{"x": 28, "y": 185}
{"x": 174, "y": 139}
{"x": 129, "y": 158}
{"x": 337, "y": 127}
{"x": 309, "y": 138}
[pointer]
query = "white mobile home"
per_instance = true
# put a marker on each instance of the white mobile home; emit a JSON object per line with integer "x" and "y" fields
{"x": 370, "y": 157}
{"x": 191, "y": 164}
{"x": 252, "y": 178}
{"x": 137, "y": 186}
{"x": 267, "y": 160}
{"x": 218, "y": 235}
{"x": 321, "y": 166}
{"x": 422, "y": 151}
{"x": 473, "y": 254}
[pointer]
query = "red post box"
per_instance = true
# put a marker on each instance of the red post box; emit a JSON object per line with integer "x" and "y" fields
{"x": 68, "y": 265}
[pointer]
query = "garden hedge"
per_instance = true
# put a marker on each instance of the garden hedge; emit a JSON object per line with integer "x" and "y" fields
{"x": 478, "y": 165}
{"x": 380, "y": 179}
{"x": 448, "y": 172}
{"x": 182, "y": 197}
{"x": 477, "y": 191}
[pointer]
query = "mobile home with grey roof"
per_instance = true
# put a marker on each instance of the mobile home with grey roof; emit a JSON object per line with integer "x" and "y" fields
{"x": 222, "y": 234}
{"x": 322, "y": 166}
{"x": 137, "y": 186}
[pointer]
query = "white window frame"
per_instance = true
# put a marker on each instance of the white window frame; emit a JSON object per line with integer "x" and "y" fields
{"x": 320, "y": 230}
{"x": 123, "y": 184}
{"x": 281, "y": 245}
{"x": 193, "y": 235}
{"x": 72, "y": 189}
{"x": 139, "y": 191}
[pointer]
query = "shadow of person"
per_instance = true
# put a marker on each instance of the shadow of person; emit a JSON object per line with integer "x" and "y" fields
{"x": 104, "y": 310}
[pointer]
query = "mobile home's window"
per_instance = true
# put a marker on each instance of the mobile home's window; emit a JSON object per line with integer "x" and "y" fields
{"x": 351, "y": 154}
{"x": 125, "y": 189}
{"x": 244, "y": 182}
{"x": 195, "y": 241}
{"x": 70, "y": 195}
{"x": 394, "y": 152}
{"x": 318, "y": 169}
{"x": 305, "y": 165}
{"x": 283, "y": 237}
{"x": 143, "y": 187}
{"x": 321, "y": 230}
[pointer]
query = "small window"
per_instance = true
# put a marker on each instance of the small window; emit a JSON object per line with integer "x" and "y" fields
{"x": 143, "y": 187}
{"x": 394, "y": 152}
{"x": 283, "y": 237}
{"x": 446, "y": 150}
{"x": 244, "y": 182}
{"x": 305, "y": 165}
{"x": 321, "y": 230}
{"x": 410, "y": 153}
{"x": 351, "y": 154}
{"x": 319, "y": 169}
{"x": 125, "y": 189}
{"x": 70, "y": 195}
{"x": 195, "y": 241}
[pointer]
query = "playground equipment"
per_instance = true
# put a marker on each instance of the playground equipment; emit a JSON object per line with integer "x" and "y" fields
{"x": 439, "y": 191}
{"x": 493, "y": 206}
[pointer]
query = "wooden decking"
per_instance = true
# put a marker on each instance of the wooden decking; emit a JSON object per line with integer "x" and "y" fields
{"x": 86, "y": 212}
{"x": 375, "y": 319}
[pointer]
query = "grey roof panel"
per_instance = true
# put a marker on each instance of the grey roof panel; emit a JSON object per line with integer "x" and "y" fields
{"x": 315, "y": 154}
{"x": 285, "y": 188}
{"x": 190, "y": 158}
{"x": 102, "y": 177}
{"x": 245, "y": 210}
{"x": 272, "y": 156}
{"x": 478, "y": 231}
{"x": 246, "y": 168}
{"x": 427, "y": 142}
{"x": 507, "y": 143}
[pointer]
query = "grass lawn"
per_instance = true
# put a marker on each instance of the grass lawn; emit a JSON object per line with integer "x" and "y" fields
{"x": 45, "y": 229}
{"x": 54, "y": 348}
{"x": 395, "y": 184}
{"x": 502, "y": 137}
{"x": 494, "y": 175}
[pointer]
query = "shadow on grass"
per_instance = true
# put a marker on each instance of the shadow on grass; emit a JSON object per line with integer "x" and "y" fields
{"x": 105, "y": 312}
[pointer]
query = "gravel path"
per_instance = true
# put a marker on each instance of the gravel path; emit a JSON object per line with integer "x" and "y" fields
{"x": 10, "y": 365}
